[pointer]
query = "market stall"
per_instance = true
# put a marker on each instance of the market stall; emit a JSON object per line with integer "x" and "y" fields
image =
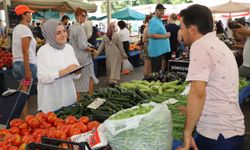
{"x": 120, "y": 103}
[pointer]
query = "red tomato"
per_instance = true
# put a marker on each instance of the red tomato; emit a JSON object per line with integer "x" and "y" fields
{"x": 58, "y": 122}
{"x": 39, "y": 133}
{"x": 13, "y": 148}
{"x": 17, "y": 140}
{"x": 93, "y": 125}
{"x": 38, "y": 140}
{"x": 81, "y": 126}
{"x": 24, "y": 125}
{"x": 28, "y": 118}
{"x": 74, "y": 131}
{"x": 51, "y": 117}
{"x": 84, "y": 120}
{"x": 28, "y": 139}
{"x": 33, "y": 123}
{"x": 8, "y": 138}
{"x": 25, "y": 132}
{"x": 4, "y": 131}
{"x": 41, "y": 116}
{"x": 62, "y": 135}
{"x": 14, "y": 130}
{"x": 70, "y": 120}
{"x": 51, "y": 134}
{"x": 16, "y": 122}
{"x": 45, "y": 125}
{"x": 3, "y": 146}
{"x": 65, "y": 129}
{"x": 1, "y": 137}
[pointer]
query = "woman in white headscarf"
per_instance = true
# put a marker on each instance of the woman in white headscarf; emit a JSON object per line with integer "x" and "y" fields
{"x": 55, "y": 59}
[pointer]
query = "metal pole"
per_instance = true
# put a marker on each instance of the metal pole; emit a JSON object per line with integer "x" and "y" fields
{"x": 109, "y": 11}
{"x": 5, "y": 7}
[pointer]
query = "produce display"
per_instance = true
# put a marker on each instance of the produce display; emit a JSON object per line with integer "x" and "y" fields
{"x": 134, "y": 46}
{"x": 5, "y": 59}
{"x": 23, "y": 132}
{"x": 147, "y": 131}
{"x": 155, "y": 87}
{"x": 118, "y": 104}
{"x": 131, "y": 113}
{"x": 116, "y": 99}
{"x": 165, "y": 77}
{"x": 243, "y": 83}
{"x": 3, "y": 42}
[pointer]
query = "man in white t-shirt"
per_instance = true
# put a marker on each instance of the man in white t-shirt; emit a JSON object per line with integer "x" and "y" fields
{"x": 124, "y": 36}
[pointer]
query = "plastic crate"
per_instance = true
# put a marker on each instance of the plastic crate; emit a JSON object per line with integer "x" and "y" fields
{"x": 54, "y": 144}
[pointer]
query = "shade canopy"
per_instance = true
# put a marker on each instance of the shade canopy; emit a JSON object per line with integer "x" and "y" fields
{"x": 231, "y": 7}
{"x": 54, "y": 5}
{"x": 125, "y": 14}
{"x": 128, "y": 14}
{"x": 50, "y": 15}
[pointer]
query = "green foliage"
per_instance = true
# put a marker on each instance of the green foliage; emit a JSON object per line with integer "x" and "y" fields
{"x": 117, "y": 5}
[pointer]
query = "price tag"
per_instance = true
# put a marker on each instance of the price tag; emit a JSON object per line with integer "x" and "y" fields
{"x": 96, "y": 103}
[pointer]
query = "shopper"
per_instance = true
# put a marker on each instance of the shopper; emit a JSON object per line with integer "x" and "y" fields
{"x": 37, "y": 32}
{"x": 212, "y": 104}
{"x": 65, "y": 21}
{"x": 220, "y": 29}
{"x": 244, "y": 69}
{"x": 24, "y": 50}
{"x": 147, "y": 61}
{"x": 55, "y": 59}
{"x": 78, "y": 40}
{"x": 114, "y": 54}
{"x": 173, "y": 28}
{"x": 124, "y": 36}
{"x": 158, "y": 39}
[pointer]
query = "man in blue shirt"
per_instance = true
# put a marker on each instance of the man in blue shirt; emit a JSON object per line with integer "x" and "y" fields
{"x": 158, "y": 39}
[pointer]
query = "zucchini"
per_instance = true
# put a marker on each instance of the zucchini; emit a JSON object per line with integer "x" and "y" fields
{"x": 144, "y": 96}
{"x": 113, "y": 106}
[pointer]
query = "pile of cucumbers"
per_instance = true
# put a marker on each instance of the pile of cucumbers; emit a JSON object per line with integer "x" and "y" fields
{"x": 117, "y": 98}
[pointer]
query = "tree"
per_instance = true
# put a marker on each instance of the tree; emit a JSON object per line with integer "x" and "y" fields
{"x": 117, "y": 5}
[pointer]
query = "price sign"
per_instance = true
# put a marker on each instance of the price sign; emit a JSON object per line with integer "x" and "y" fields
{"x": 96, "y": 103}
{"x": 178, "y": 66}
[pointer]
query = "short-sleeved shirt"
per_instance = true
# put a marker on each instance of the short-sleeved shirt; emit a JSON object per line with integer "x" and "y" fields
{"x": 124, "y": 35}
{"x": 213, "y": 62}
{"x": 157, "y": 47}
{"x": 19, "y": 32}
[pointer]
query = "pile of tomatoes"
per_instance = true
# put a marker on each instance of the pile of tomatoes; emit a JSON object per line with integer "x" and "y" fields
{"x": 23, "y": 132}
{"x": 5, "y": 59}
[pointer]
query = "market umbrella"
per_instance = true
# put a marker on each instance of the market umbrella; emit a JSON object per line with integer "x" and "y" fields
{"x": 128, "y": 14}
{"x": 231, "y": 7}
{"x": 50, "y": 15}
{"x": 54, "y": 5}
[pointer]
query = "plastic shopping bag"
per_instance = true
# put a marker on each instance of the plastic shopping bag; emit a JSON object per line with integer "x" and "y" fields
{"x": 149, "y": 131}
{"x": 127, "y": 67}
{"x": 95, "y": 138}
